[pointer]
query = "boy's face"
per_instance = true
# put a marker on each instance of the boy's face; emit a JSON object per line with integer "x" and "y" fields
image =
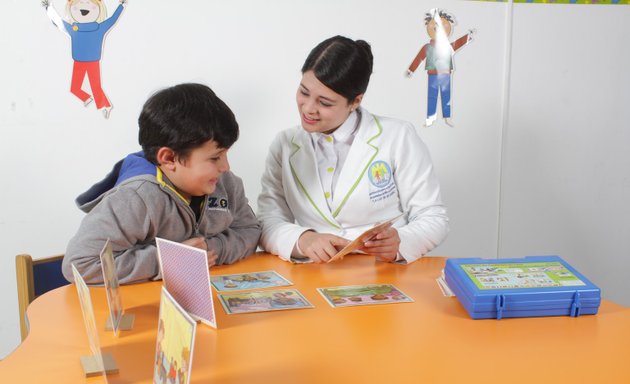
{"x": 199, "y": 174}
{"x": 434, "y": 29}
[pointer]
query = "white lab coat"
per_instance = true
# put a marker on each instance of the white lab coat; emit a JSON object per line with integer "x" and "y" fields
{"x": 388, "y": 171}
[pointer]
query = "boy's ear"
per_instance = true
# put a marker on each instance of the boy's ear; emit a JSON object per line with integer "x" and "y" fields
{"x": 166, "y": 157}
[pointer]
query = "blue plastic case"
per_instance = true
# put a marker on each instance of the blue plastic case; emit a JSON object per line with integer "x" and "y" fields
{"x": 521, "y": 287}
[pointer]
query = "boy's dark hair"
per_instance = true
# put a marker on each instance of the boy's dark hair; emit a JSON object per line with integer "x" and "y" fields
{"x": 441, "y": 14}
{"x": 184, "y": 117}
{"x": 342, "y": 64}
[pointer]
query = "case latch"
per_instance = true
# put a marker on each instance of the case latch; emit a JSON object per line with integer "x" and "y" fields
{"x": 575, "y": 306}
{"x": 500, "y": 306}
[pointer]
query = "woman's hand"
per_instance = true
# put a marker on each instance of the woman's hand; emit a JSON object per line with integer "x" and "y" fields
{"x": 384, "y": 245}
{"x": 320, "y": 247}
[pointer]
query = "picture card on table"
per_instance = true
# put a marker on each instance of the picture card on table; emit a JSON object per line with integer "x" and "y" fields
{"x": 353, "y": 295}
{"x": 175, "y": 342}
{"x": 117, "y": 319}
{"x": 262, "y": 301}
{"x": 98, "y": 363}
{"x": 251, "y": 280}
{"x": 186, "y": 275}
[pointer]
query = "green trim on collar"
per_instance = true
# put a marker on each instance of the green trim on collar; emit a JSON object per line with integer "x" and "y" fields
{"x": 304, "y": 189}
{"x": 343, "y": 202}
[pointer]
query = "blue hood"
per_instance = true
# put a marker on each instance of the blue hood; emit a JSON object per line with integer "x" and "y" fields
{"x": 133, "y": 165}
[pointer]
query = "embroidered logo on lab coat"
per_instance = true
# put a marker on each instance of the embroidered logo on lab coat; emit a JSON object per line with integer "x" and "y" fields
{"x": 380, "y": 175}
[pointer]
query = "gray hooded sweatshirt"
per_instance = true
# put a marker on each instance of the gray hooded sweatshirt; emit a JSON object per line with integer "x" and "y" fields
{"x": 136, "y": 203}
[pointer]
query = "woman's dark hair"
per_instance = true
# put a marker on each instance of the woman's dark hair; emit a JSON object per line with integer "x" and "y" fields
{"x": 184, "y": 117}
{"x": 342, "y": 64}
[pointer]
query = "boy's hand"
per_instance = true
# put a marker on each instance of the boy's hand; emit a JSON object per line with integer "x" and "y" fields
{"x": 200, "y": 242}
{"x": 212, "y": 258}
{"x": 320, "y": 247}
{"x": 197, "y": 242}
{"x": 471, "y": 33}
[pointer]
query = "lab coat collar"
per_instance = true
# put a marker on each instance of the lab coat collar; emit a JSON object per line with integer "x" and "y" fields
{"x": 304, "y": 169}
{"x": 362, "y": 153}
{"x": 342, "y": 133}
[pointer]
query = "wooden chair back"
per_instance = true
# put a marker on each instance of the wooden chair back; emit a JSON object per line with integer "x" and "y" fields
{"x": 34, "y": 278}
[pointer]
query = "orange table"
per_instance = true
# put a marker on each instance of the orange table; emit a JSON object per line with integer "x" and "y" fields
{"x": 429, "y": 341}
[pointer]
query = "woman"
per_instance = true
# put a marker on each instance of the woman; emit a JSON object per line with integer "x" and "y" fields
{"x": 344, "y": 170}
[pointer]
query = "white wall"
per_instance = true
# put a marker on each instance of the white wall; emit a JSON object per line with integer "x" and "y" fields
{"x": 566, "y": 173}
{"x": 250, "y": 53}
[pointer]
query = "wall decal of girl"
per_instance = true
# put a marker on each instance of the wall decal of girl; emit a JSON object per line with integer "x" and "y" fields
{"x": 87, "y": 25}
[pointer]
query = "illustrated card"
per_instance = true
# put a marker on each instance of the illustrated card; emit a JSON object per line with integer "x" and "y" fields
{"x": 252, "y": 280}
{"x": 362, "y": 238}
{"x": 98, "y": 363}
{"x": 521, "y": 275}
{"x": 186, "y": 275}
{"x": 110, "y": 279}
{"x": 261, "y": 301}
{"x": 352, "y": 295}
{"x": 88, "y": 315}
{"x": 175, "y": 342}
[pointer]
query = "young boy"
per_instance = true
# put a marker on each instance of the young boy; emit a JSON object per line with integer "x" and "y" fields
{"x": 439, "y": 62}
{"x": 178, "y": 188}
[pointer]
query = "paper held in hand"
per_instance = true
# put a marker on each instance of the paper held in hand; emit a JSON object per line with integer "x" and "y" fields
{"x": 362, "y": 238}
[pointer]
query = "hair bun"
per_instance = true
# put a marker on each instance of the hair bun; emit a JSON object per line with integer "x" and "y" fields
{"x": 342, "y": 64}
{"x": 368, "y": 50}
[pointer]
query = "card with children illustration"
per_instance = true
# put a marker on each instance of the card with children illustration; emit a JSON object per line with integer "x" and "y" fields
{"x": 353, "y": 295}
{"x": 175, "y": 342}
{"x": 261, "y": 301}
{"x": 251, "y": 280}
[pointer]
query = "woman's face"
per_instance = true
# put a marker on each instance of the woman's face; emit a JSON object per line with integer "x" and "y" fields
{"x": 322, "y": 109}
